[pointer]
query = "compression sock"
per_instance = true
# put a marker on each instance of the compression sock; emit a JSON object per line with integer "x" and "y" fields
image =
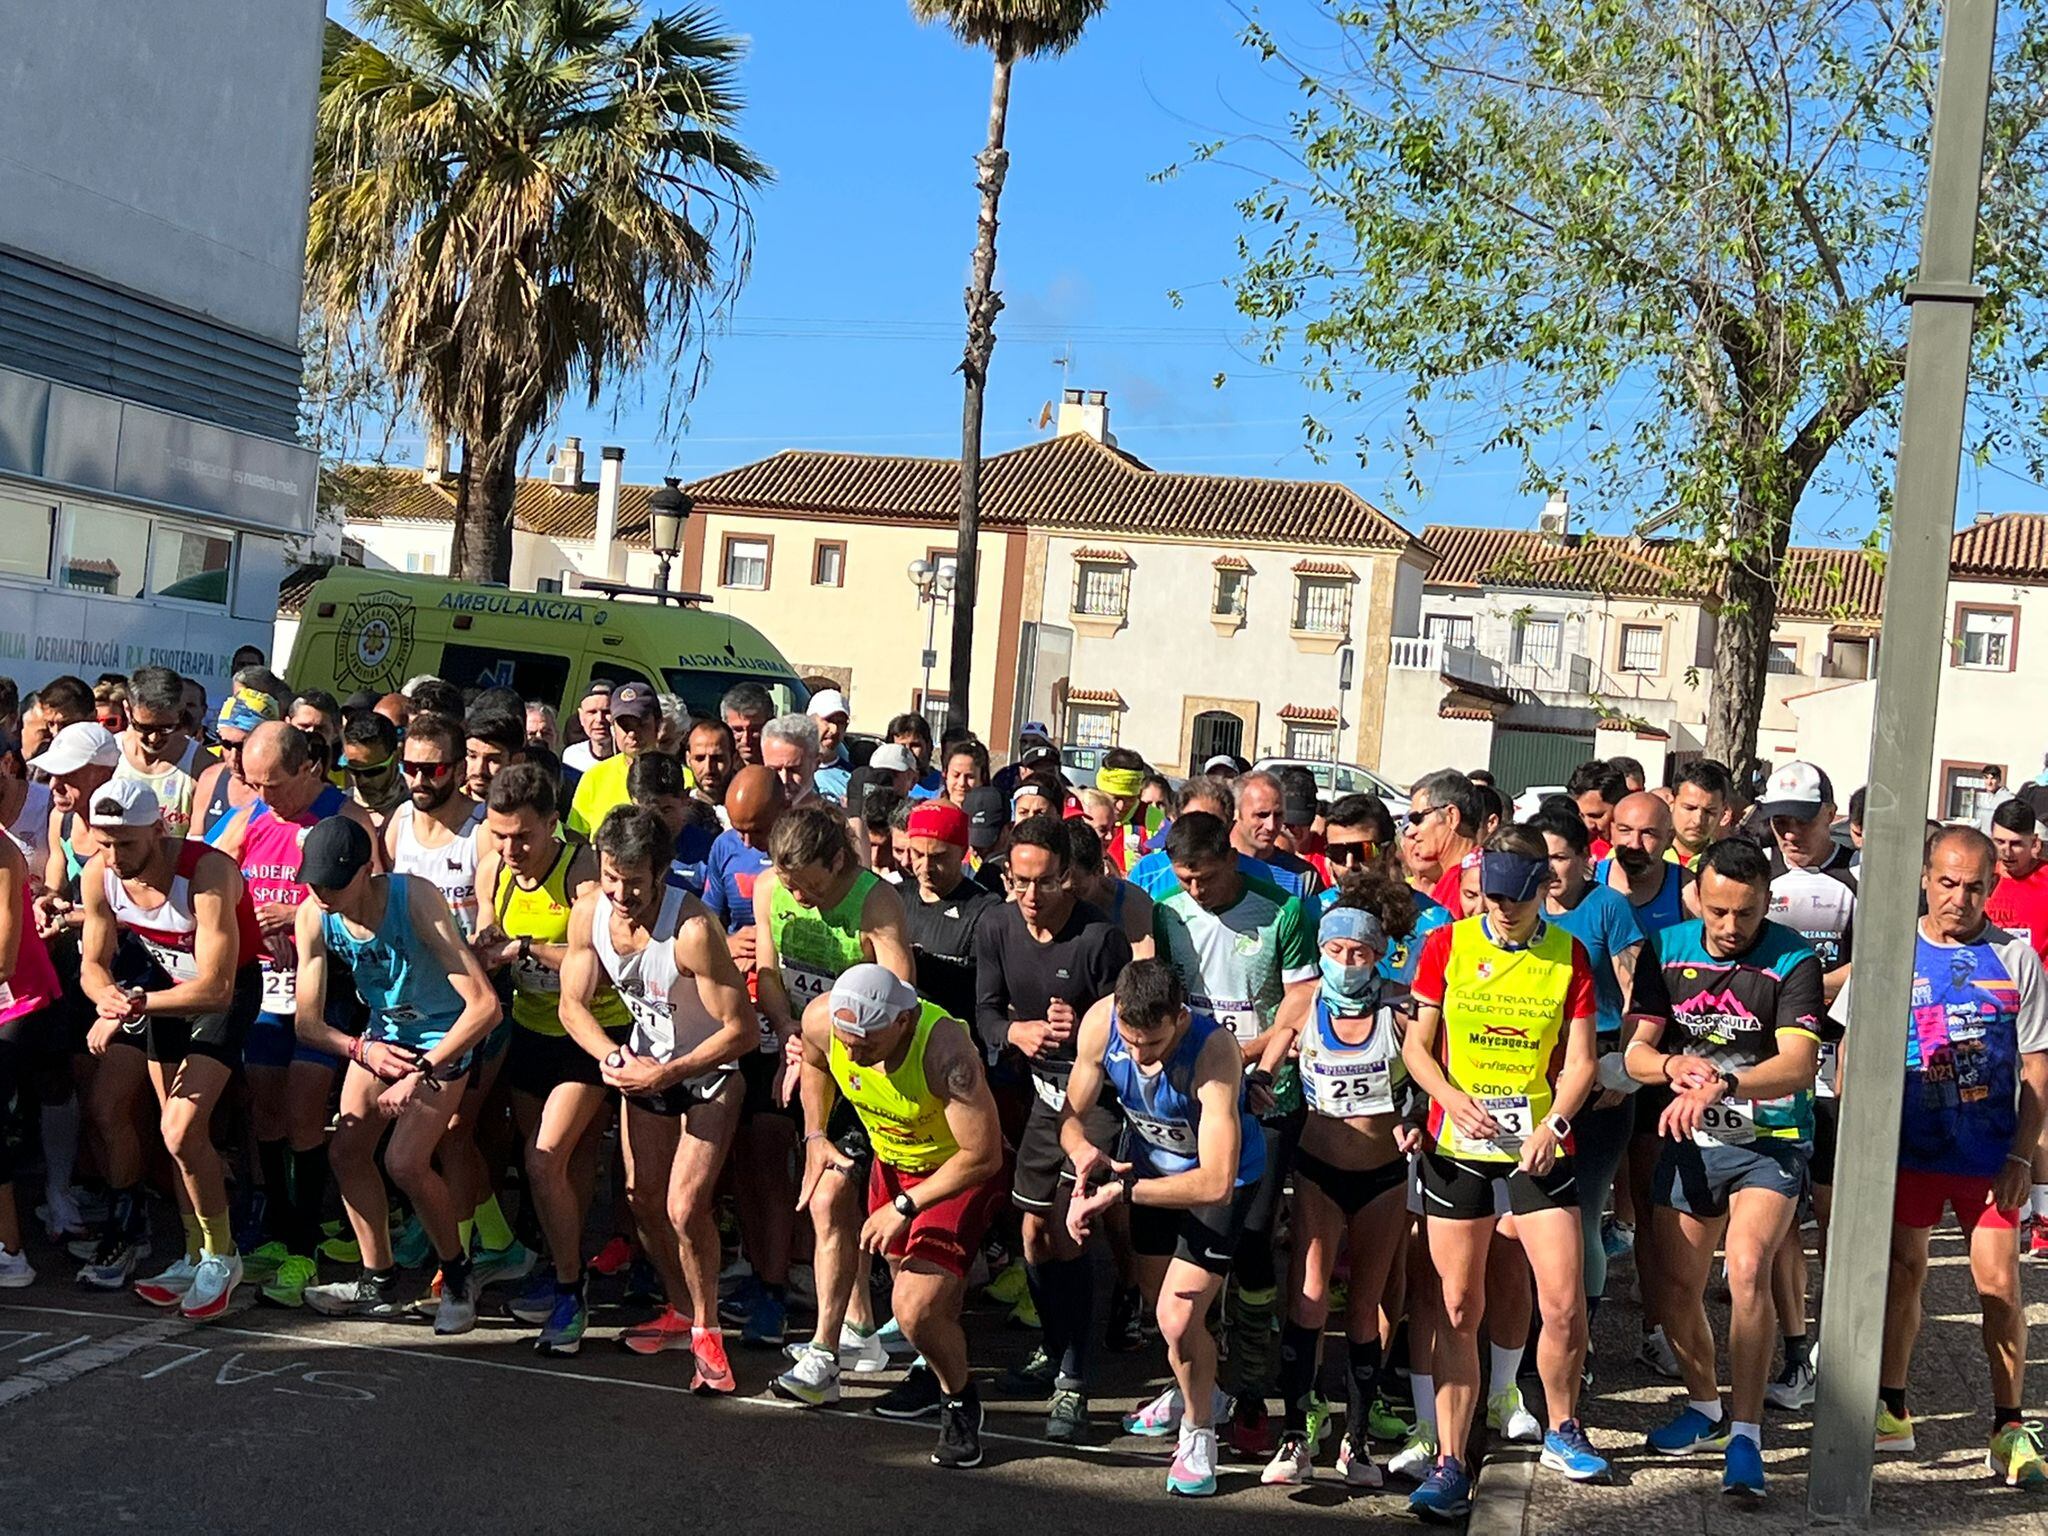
{"x": 1251, "y": 1339}
{"x": 492, "y": 1229}
{"x": 1297, "y": 1374}
{"x": 1798, "y": 1349}
{"x": 309, "y": 1198}
{"x": 1362, "y": 1383}
{"x": 274, "y": 1159}
{"x": 1894, "y": 1400}
{"x": 60, "y": 1149}
{"x": 1070, "y": 1283}
{"x": 216, "y": 1234}
{"x": 194, "y": 1237}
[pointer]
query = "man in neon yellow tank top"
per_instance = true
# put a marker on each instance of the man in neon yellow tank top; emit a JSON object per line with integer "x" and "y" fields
{"x": 915, "y": 1079}
{"x": 817, "y": 914}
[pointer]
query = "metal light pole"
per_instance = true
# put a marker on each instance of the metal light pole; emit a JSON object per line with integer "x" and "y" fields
{"x": 934, "y": 585}
{"x": 1944, "y": 304}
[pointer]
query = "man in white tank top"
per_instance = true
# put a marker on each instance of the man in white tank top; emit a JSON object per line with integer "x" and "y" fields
{"x": 433, "y": 835}
{"x": 155, "y": 749}
{"x": 692, "y": 1022}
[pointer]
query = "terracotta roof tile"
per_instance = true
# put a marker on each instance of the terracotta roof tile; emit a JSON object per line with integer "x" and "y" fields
{"x": 1107, "y": 696}
{"x": 1103, "y": 556}
{"x": 1310, "y": 714}
{"x": 1829, "y": 583}
{"x": 1324, "y": 568}
{"x": 1509, "y": 557}
{"x": 2014, "y": 544}
{"x": 373, "y": 494}
{"x": 1462, "y": 712}
{"x": 1231, "y": 563}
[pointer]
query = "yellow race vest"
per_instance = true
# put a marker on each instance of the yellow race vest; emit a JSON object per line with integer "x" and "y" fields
{"x": 905, "y": 1120}
{"x": 1502, "y": 1037}
{"x": 542, "y": 915}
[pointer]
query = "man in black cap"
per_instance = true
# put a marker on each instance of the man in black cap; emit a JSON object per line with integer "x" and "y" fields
{"x": 636, "y": 728}
{"x": 988, "y": 833}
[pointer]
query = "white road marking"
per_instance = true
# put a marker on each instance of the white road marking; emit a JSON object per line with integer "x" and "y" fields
{"x": 77, "y": 1362}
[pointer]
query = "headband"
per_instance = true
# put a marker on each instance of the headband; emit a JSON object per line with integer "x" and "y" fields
{"x": 1124, "y": 783}
{"x": 1352, "y": 923}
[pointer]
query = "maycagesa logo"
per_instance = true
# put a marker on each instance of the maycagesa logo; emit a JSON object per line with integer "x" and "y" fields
{"x": 374, "y": 641}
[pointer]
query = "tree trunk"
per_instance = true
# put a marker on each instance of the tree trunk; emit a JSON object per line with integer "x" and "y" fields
{"x": 983, "y": 305}
{"x": 1742, "y": 639}
{"x": 483, "y": 504}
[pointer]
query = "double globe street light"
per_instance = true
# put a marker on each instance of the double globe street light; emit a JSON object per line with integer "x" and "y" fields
{"x": 934, "y": 585}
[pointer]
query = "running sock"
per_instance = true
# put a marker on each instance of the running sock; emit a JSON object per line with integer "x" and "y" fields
{"x": 1506, "y": 1366}
{"x": 1251, "y": 1339}
{"x": 216, "y": 1234}
{"x": 1894, "y": 1400}
{"x": 455, "y": 1272}
{"x": 491, "y": 1226}
{"x": 60, "y": 1149}
{"x": 195, "y": 1238}
{"x": 1746, "y": 1430}
{"x": 1362, "y": 1376}
{"x": 1068, "y": 1288}
{"x": 1798, "y": 1349}
{"x": 127, "y": 1216}
{"x": 2000, "y": 1417}
{"x": 1297, "y": 1374}
{"x": 273, "y": 1158}
{"x": 309, "y": 1197}
{"x": 386, "y": 1279}
{"x": 1424, "y": 1386}
{"x": 1711, "y": 1412}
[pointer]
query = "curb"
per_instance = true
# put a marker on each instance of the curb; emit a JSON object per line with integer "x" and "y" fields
{"x": 1500, "y": 1502}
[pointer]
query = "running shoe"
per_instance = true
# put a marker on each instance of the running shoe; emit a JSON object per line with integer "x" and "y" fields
{"x": 1193, "y": 1473}
{"x": 916, "y": 1396}
{"x": 891, "y": 1337}
{"x": 1010, "y": 1287}
{"x": 1066, "y": 1416}
{"x": 1656, "y": 1353}
{"x": 168, "y": 1287}
{"x": 767, "y": 1321}
{"x": 1251, "y": 1428}
{"x": 260, "y": 1265}
{"x": 960, "y": 1420}
{"x": 1617, "y": 1240}
{"x": 1690, "y": 1431}
{"x": 83, "y": 1245}
{"x": 1417, "y": 1455}
{"x": 1126, "y": 1331}
{"x": 1795, "y": 1388}
{"x": 1742, "y": 1471}
{"x": 614, "y": 1256}
{"x": 1509, "y": 1417}
{"x": 15, "y": 1271}
{"x": 642, "y": 1283}
{"x": 1157, "y": 1419}
{"x": 361, "y": 1297}
{"x": 412, "y": 1248}
{"x": 1445, "y": 1495}
{"x": 1034, "y": 1378}
{"x": 667, "y": 1329}
{"x": 563, "y": 1332}
{"x": 457, "y": 1311}
{"x": 535, "y": 1303}
{"x": 740, "y": 1300}
{"x": 1025, "y": 1315}
{"x": 1384, "y": 1421}
{"x": 61, "y": 1217}
{"x": 1894, "y": 1433}
{"x": 287, "y": 1287}
{"x": 213, "y": 1287}
{"x": 2037, "y": 1245}
{"x": 342, "y": 1250}
{"x": 496, "y": 1266}
{"x": 112, "y": 1265}
{"x": 864, "y": 1354}
{"x": 2015, "y": 1455}
{"x": 1356, "y": 1467}
{"x": 714, "y": 1371}
{"x": 1566, "y": 1449}
{"x": 813, "y": 1380}
{"x": 1292, "y": 1465}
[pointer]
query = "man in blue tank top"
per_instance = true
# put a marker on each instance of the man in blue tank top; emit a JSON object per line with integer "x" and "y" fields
{"x": 1196, "y": 1158}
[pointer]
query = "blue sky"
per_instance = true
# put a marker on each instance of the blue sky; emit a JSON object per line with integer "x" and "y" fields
{"x": 848, "y": 331}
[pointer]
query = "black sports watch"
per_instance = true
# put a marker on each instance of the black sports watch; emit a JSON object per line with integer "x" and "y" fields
{"x": 905, "y": 1206}
{"x": 1728, "y": 1086}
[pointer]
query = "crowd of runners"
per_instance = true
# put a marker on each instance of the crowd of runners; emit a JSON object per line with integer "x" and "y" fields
{"x": 1312, "y": 1096}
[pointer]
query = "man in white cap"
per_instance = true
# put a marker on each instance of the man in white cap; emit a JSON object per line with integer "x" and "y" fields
{"x": 1813, "y": 892}
{"x": 914, "y": 1077}
{"x": 828, "y": 707}
{"x": 78, "y": 760}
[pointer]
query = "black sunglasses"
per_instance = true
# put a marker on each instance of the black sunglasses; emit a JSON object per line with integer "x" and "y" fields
{"x": 426, "y": 770}
{"x": 1350, "y": 853}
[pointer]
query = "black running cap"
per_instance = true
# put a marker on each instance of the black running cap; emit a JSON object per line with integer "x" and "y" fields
{"x": 335, "y": 852}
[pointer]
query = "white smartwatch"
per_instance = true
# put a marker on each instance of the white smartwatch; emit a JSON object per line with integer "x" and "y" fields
{"x": 1559, "y": 1126}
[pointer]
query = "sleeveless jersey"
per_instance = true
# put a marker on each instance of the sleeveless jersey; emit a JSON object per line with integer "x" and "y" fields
{"x": 905, "y": 1120}
{"x": 1349, "y": 1082}
{"x": 30, "y": 829}
{"x": 452, "y": 866}
{"x": 815, "y": 946}
{"x": 173, "y": 784}
{"x": 33, "y": 986}
{"x": 1661, "y": 911}
{"x": 410, "y": 998}
{"x": 542, "y": 915}
{"x": 669, "y": 1018}
{"x": 1502, "y": 1036}
{"x": 272, "y": 850}
{"x": 1162, "y": 1111}
{"x": 168, "y": 931}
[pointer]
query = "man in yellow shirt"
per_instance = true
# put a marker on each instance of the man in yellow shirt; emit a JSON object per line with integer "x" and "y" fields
{"x": 636, "y": 726}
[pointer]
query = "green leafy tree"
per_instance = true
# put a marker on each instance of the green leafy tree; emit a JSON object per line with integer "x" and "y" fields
{"x": 1657, "y": 251}
{"x": 1010, "y": 30}
{"x": 512, "y": 198}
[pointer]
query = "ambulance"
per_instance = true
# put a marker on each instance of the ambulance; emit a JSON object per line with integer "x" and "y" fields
{"x": 375, "y": 630}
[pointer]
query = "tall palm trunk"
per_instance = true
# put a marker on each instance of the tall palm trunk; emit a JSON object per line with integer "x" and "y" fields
{"x": 483, "y": 503}
{"x": 983, "y": 305}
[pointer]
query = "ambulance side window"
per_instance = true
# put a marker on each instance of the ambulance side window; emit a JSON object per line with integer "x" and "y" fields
{"x": 533, "y": 674}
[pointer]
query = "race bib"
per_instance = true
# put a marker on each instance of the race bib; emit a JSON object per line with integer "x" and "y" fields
{"x": 653, "y": 1026}
{"x": 803, "y": 985}
{"x": 1167, "y": 1135}
{"x": 280, "y": 990}
{"x": 530, "y": 974}
{"x": 1352, "y": 1092}
{"x": 401, "y": 1013}
{"x": 1051, "y": 1091}
{"x": 1516, "y": 1120}
{"x": 178, "y": 964}
{"x": 1730, "y": 1123}
{"x": 771, "y": 1043}
{"x": 1824, "y": 1080}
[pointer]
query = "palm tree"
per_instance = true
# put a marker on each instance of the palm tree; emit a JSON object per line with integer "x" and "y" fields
{"x": 514, "y": 197}
{"x": 1010, "y": 30}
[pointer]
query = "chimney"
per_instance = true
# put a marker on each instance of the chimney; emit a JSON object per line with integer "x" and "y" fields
{"x": 611, "y": 558}
{"x": 1982, "y": 518}
{"x": 567, "y": 472}
{"x": 1086, "y": 411}
{"x": 435, "y": 470}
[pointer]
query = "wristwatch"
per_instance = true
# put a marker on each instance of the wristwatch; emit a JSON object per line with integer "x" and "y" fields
{"x": 525, "y": 946}
{"x": 1559, "y": 1126}
{"x": 905, "y": 1206}
{"x": 1728, "y": 1086}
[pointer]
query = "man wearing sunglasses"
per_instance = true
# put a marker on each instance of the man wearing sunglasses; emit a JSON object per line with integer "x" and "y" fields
{"x": 223, "y": 794}
{"x": 369, "y": 756}
{"x": 1358, "y": 832}
{"x": 433, "y": 834}
{"x": 156, "y": 750}
{"x": 1442, "y": 827}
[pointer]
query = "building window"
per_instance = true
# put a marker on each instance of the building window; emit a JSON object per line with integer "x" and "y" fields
{"x": 1101, "y": 588}
{"x": 418, "y": 564}
{"x": 746, "y": 563}
{"x": 1965, "y": 791}
{"x": 1986, "y": 639}
{"x": 103, "y": 551}
{"x": 190, "y": 565}
{"x": 30, "y": 527}
{"x": 1642, "y": 648}
{"x": 1091, "y": 725}
{"x": 1450, "y": 628}
{"x": 1322, "y": 605}
{"x": 1784, "y": 658}
{"x": 828, "y": 564}
{"x": 1215, "y": 732}
{"x": 1539, "y": 643}
{"x": 1312, "y": 743}
{"x": 1232, "y": 586}
{"x": 931, "y": 705}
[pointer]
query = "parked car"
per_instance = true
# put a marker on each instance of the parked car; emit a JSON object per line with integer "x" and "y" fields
{"x": 1338, "y": 779}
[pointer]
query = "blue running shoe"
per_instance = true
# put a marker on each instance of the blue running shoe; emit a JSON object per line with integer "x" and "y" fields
{"x": 535, "y": 1302}
{"x": 563, "y": 1334}
{"x": 1690, "y": 1431}
{"x": 1743, "y": 1472}
{"x": 1445, "y": 1495}
{"x": 767, "y": 1320}
{"x": 1566, "y": 1449}
{"x": 739, "y": 1305}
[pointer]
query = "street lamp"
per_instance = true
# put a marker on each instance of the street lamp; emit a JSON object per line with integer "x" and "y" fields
{"x": 668, "y": 509}
{"x": 934, "y": 585}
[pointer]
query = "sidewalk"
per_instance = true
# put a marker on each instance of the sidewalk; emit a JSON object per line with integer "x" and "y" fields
{"x": 1939, "y": 1487}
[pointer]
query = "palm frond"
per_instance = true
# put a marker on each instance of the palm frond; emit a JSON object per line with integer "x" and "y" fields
{"x": 1029, "y": 28}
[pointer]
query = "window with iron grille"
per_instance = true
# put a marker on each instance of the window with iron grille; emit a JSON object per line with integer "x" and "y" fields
{"x": 1231, "y": 586}
{"x": 1101, "y": 588}
{"x": 1450, "y": 628}
{"x": 1091, "y": 725}
{"x": 1642, "y": 648}
{"x": 1322, "y": 605}
{"x": 1539, "y": 643}
{"x": 1312, "y": 743}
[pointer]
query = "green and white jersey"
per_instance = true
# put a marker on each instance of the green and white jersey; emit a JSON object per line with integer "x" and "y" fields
{"x": 1236, "y": 964}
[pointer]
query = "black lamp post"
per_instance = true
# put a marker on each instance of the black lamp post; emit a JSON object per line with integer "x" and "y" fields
{"x": 668, "y": 509}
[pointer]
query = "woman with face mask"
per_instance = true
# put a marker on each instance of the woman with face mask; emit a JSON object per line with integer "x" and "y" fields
{"x": 1350, "y": 1173}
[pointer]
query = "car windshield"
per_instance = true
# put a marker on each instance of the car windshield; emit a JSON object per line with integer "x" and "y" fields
{"x": 701, "y": 690}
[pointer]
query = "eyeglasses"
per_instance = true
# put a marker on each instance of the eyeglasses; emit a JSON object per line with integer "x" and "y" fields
{"x": 1417, "y": 818}
{"x": 1047, "y": 883}
{"x": 1357, "y": 852}
{"x": 426, "y": 770}
{"x": 233, "y": 746}
{"x": 156, "y": 732}
{"x": 358, "y": 770}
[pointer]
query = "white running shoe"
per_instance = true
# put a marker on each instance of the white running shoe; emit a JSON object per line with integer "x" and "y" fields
{"x": 457, "y": 1311}
{"x": 1291, "y": 1465}
{"x": 1358, "y": 1469}
{"x": 1412, "y": 1463}
{"x": 813, "y": 1380}
{"x": 1508, "y": 1416}
{"x": 862, "y": 1353}
{"x": 168, "y": 1288}
{"x": 1656, "y": 1353}
{"x": 1796, "y": 1388}
{"x": 15, "y": 1271}
{"x": 213, "y": 1286}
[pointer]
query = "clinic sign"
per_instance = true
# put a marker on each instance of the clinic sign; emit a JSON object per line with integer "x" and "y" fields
{"x": 47, "y": 634}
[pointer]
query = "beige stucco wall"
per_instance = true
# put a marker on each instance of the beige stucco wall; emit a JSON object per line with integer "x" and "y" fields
{"x": 1418, "y": 739}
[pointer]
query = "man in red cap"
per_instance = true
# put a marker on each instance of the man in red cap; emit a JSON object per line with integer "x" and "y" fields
{"x": 944, "y": 906}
